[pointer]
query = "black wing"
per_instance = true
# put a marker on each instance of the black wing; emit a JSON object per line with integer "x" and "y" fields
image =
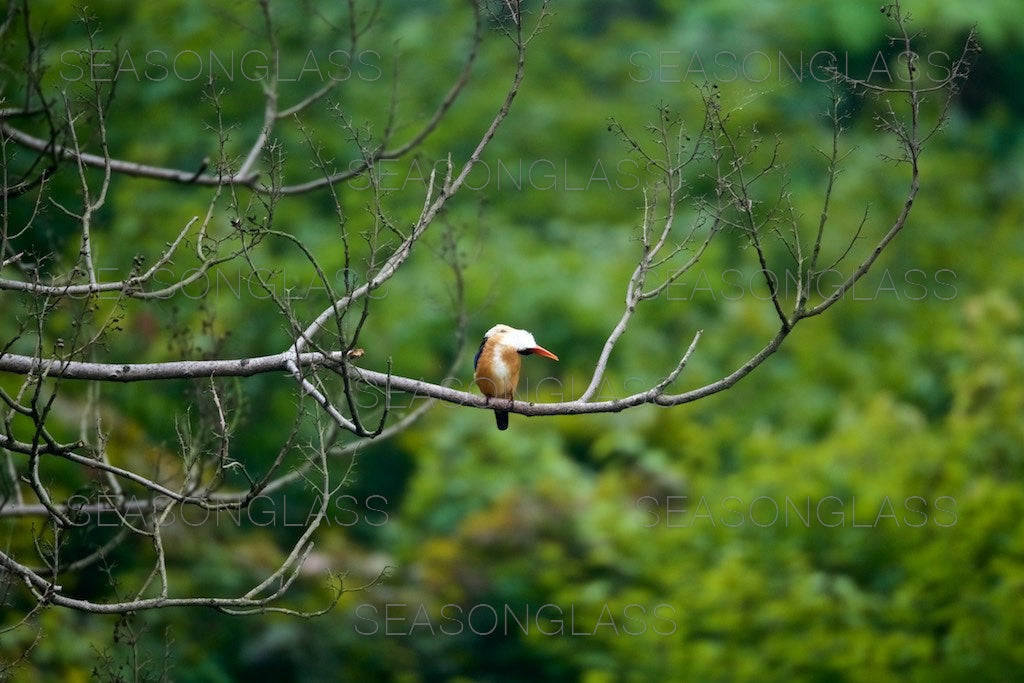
{"x": 476, "y": 358}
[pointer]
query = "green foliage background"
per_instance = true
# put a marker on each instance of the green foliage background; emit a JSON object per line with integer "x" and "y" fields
{"x": 851, "y": 511}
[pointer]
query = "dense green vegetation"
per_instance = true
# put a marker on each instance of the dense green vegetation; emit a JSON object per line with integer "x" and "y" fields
{"x": 853, "y": 510}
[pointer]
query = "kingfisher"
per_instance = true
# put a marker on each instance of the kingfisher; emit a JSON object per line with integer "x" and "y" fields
{"x": 496, "y": 364}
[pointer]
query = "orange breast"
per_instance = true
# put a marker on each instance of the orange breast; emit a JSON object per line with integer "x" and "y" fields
{"x": 497, "y": 371}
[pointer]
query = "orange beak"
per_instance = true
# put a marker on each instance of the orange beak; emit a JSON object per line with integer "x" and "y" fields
{"x": 541, "y": 351}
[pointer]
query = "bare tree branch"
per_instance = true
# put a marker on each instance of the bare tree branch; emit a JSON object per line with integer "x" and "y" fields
{"x": 709, "y": 179}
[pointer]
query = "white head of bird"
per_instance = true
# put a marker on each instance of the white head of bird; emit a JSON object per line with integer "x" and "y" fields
{"x": 496, "y": 365}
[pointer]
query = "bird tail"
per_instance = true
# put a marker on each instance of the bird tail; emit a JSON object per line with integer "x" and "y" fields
{"x": 501, "y": 417}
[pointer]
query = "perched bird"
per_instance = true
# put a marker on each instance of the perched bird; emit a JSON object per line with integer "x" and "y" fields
{"x": 496, "y": 365}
